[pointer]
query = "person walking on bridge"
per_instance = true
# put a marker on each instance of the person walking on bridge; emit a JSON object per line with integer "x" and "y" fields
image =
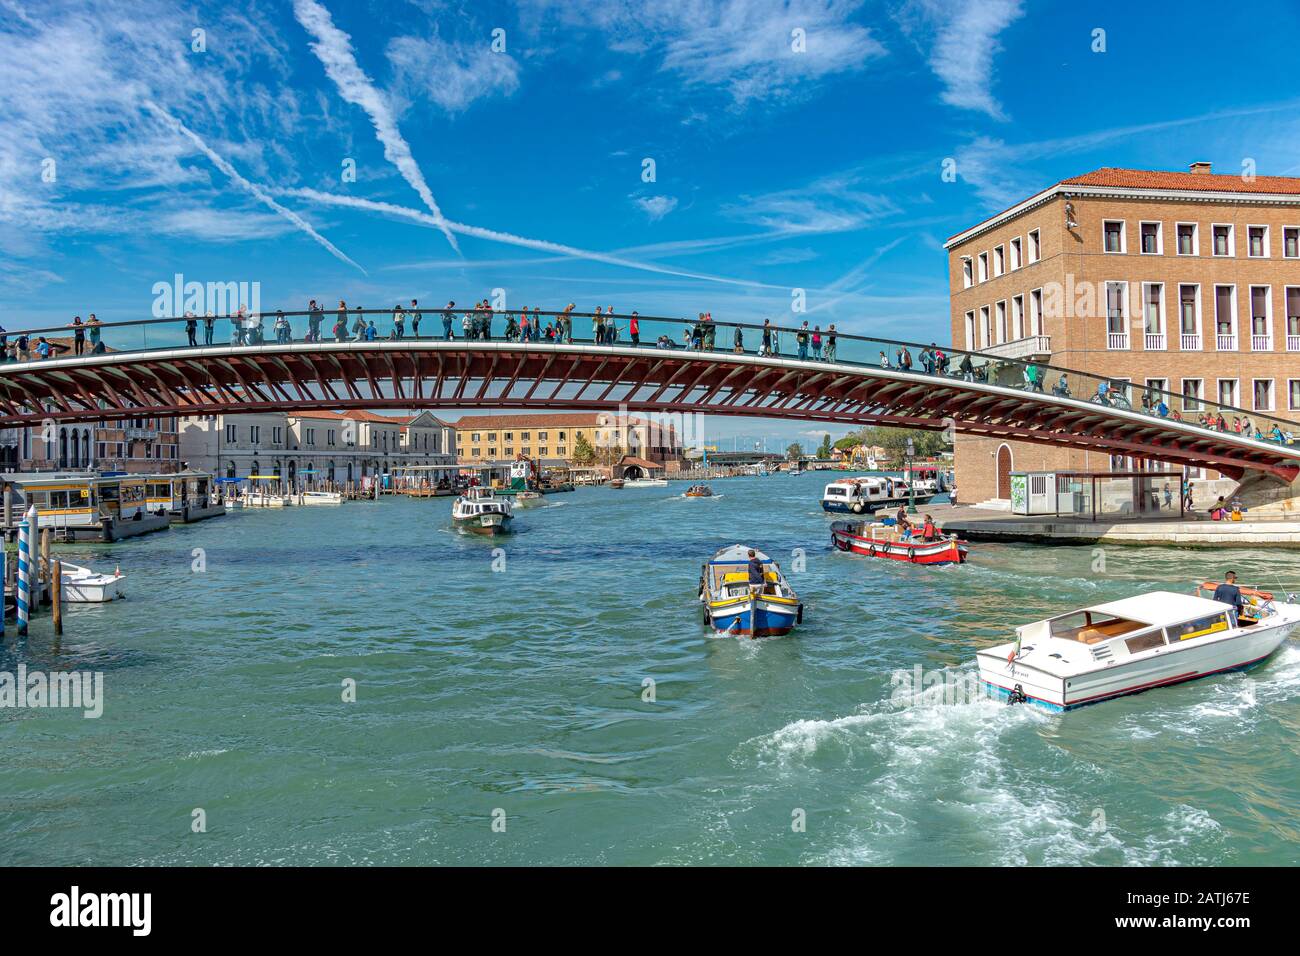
{"x": 634, "y": 328}
{"x": 447, "y": 320}
{"x": 415, "y": 319}
{"x": 191, "y": 328}
{"x": 830, "y": 343}
{"x": 399, "y": 321}
{"x": 93, "y": 328}
{"x": 209, "y": 320}
{"x": 801, "y": 339}
{"x": 79, "y": 336}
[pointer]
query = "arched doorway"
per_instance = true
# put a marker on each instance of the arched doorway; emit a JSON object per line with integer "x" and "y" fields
{"x": 293, "y": 473}
{"x": 1004, "y": 472}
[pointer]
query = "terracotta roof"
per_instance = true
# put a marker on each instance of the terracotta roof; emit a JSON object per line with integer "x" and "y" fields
{"x": 1189, "y": 182}
{"x": 1116, "y": 178}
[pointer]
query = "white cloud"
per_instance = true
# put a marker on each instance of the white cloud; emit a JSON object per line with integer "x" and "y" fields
{"x": 453, "y": 75}
{"x": 742, "y": 46}
{"x": 333, "y": 48}
{"x": 656, "y": 207}
{"x": 964, "y": 42}
{"x": 836, "y": 203}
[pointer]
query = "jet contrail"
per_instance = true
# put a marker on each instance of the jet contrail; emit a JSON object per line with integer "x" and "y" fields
{"x": 333, "y": 48}
{"x": 255, "y": 190}
{"x": 492, "y": 235}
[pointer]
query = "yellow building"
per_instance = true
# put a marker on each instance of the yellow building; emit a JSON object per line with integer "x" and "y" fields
{"x": 486, "y": 438}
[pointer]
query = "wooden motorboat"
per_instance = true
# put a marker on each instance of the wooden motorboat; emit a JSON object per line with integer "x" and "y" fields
{"x": 1135, "y": 644}
{"x": 734, "y": 606}
{"x": 876, "y": 539}
{"x": 479, "y": 511}
{"x": 698, "y": 491}
{"x": 85, "y": 586}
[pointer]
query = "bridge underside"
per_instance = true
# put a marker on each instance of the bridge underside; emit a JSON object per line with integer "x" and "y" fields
{"x": 450, "y": 375}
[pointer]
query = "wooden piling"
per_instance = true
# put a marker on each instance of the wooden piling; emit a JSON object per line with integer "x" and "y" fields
{"x": 44, "y": 562}
{"x": 56, "y": 595}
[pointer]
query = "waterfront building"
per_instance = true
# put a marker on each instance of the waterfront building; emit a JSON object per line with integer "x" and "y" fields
{"x": 485, "y": 438}
{"x": 135, "y": 445}
{"x": 1182, "y": 281}
{"x": 315, "y": 447}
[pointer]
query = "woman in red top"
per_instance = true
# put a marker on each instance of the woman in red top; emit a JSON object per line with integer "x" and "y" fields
{"x": 634, "y": 327}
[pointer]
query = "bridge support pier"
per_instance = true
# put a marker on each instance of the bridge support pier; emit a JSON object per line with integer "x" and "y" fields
{"x": 1265, "y": 494}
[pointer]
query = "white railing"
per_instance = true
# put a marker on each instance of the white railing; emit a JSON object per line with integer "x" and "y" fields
{"x": 1155, "y": 342}
{"x": 1261, "y": 343}
{"x": 1293, "y": 343}
{"x": 1027, "y": 347}
{"x": 1189, "y": 342}
{"x": 1226, "y": 343}
{"x": 1116, "y": 340}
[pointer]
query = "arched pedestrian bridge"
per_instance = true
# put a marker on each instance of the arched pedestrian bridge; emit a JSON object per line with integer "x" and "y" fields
{"x": 149, "y": 369}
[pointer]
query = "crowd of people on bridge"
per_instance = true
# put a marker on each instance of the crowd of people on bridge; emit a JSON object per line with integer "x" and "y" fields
{"x": 530, "y": 324}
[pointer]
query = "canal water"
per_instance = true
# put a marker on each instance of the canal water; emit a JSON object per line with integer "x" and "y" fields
{"x": 510, "y": 687}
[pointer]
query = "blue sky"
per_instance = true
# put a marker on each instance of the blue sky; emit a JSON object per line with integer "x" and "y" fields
{"x": 521, "y": 167}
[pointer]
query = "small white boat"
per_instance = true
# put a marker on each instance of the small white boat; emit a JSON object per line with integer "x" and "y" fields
{"x": 868, "y": 494}
{"x": 645, "y": 482}
{"x": 528, "y": 499}
{"x": 84, "y": 586}
{"x": 479, "y": 511}
{"x": 263, "y": 493}
{"x": 321, "y": 498}
{"x": 1132, "y": 645}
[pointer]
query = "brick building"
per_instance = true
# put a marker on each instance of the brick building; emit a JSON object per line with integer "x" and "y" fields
{"x": 1184, "y": 281}
{"x": 485, "y": 438}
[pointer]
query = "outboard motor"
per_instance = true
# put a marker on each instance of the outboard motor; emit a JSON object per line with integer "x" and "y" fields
{"x": 1017, "y": 696}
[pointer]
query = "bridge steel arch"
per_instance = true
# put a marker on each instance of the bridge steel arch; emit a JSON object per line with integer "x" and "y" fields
{"x": 426, "y": 374}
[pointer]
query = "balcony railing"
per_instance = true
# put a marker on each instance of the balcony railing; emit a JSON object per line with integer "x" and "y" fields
{"x": 143, "y": 434}
{"x": 1031, "y": 346}
{"x": 1261, "y": 343}
{"x": 1225, "y": 343}
{"x": 1117, "y": 340}
{"x": 1189, "y": 342}
{"x": 1155, "y": 342}
{"x": 1293, "y": 343}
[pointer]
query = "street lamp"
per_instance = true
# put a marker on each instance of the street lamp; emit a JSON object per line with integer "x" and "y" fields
{"x": 911, "y": 478}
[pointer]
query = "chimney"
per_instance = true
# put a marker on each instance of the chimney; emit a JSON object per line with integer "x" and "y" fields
{"x": 1199, "y": 168}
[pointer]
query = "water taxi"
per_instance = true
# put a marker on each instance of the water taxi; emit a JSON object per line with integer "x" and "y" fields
{"x": 321, "y": 498}
{"x": 264, "y": 492}
{"x": 869, "y": 493}
{"x": 479, "y": 511}
{"x": 1131, "y": 645}
{"x": 90, "y": 503}
{"x": 734, "y": 607}
{"x": 876, "y": 539}
{"x": 698, "y": 491}
{"x": 644, "y": 482}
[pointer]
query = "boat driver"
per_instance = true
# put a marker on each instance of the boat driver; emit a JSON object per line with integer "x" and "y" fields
{"x": 755, "y": 573}
{"x": 1229, "y": 593}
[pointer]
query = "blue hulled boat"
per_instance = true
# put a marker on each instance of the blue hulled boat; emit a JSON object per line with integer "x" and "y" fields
{"x": 733, "y": 606}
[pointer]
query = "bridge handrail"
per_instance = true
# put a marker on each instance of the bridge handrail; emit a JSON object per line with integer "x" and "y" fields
{"x": 980, "y": 362}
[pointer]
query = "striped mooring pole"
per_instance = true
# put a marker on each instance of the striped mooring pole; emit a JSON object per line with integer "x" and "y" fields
{"x": 25, "y": 527}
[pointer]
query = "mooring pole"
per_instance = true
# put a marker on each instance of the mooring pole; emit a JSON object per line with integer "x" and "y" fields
{"x": 56, "y": 595}
{"x": 24, "y": 595}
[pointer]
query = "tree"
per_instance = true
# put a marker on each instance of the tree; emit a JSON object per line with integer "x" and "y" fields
{"x": 849, "y": 442}
{"x": 824, "y": 450}
{"x": 926, "y": 443}
{"x": 794, "y": 451}
{"x": 583, "y": 453}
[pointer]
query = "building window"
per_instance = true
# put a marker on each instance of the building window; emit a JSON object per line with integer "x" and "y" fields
{"x": 1222, "y": 240}
{"x": 970, "y": 331}
{"x": 1228, "y": 392}
{"x": 1151, "y": 238}
{"x": 1293, "y": 318}
{"x": 1291, "y": 242}
{"x": 1112, "y": 231}
{"x": 492, "y": 452}
{"x": 1016, "y": 260}
{"x": 1187, "y": 244}
{"x": 986, "y": 327}
{"x": 1189, "y": 317}
{"x": 1293, "y": 394}
{"x": 1192, "y": 394}
{"x": 1035, "y": 246}
{"x": 1153, "y": 315}
{"x": 276, "y": 435}
{"x": 999, "y": 261}
{"x": 476, "y": 453}
{"x": 1261, "y": 329}
{"x": 1257, "y": 242}
{"x": 1036, "y": 312}
{"x": 984, "y": 266}
{"x": 1018, "y": 317}
{"x": 1001, "y": 329}
{"x": 474, "y": 437}
{"x": 231, "y": 432}
{"x": 1225, "y": 317}
{"x": 330, "y": 437}
{"x": 1263, "y": 394}
{"x": 1116, "y": 315}
{"x": 254, "y": 434}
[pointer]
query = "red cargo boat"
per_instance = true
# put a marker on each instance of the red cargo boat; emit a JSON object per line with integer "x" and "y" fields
{"x": 878, "y": 540}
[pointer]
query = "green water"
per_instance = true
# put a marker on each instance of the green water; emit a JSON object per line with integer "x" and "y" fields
{"x": 520, "y": 691}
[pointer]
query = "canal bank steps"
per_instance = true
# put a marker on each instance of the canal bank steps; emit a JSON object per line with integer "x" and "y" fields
{"x": 981, "y": 524}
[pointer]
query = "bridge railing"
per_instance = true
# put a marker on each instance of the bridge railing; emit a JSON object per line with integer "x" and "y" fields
{"x": 649, "y": 332}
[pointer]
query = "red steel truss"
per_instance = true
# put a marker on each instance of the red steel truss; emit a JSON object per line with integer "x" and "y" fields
{"x": 445, "y": 375}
